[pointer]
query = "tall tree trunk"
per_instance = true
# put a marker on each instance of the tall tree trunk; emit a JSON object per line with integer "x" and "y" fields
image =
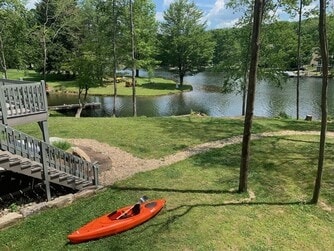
{"x": 3, "y": 58}
{"x": 114, "y": 56}
{"x": 133, "y": 61}
{"x": 244, "y": 166}
{"x": 181, "y": 74}
{"x": 45, "y": 54}
{"x": 44, "y": 39}
{"x": 244, "y": 94}
{"x": 324, "y": 59}
{"x": 298, "y": 56}
{"x": 246, "y": 67}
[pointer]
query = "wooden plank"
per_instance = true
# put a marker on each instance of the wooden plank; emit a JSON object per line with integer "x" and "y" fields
{"x": 74, "y": 106}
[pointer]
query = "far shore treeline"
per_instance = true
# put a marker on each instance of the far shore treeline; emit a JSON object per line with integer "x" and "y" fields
{"x": 92, "y": 39}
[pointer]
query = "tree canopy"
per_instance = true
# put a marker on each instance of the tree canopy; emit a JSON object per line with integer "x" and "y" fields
{"x": 184, "y": 39}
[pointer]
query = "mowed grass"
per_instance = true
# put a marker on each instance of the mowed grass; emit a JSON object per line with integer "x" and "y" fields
{"x": 203, "y": 211}
{"x": 158, "y": 137}
{"x": 145, "y": 86}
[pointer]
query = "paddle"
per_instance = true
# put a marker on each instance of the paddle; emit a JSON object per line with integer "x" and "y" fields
{"x": 141, "y": 200}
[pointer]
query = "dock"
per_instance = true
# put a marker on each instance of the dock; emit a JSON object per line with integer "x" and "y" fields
{"x": 67, "y": 107}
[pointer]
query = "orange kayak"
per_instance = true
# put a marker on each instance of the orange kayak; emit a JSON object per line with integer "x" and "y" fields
{"x": 118, "y": 221}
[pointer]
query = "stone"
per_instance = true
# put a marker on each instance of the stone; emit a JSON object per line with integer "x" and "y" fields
{"x": 84, "y": 193}
{"x": 9, "y": 219}
{"x": 61, "y": 201}
{"x": 79, "y": 152}
{"x": 26, "y": 211}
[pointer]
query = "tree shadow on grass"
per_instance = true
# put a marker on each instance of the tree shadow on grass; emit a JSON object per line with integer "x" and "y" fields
{"x": 172, "y": 190}
{"x": 186, "y": 208}
{"x": 176, "y": 214}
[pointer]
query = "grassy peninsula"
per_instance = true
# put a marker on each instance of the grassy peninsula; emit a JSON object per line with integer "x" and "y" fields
{"x": 144, "y": 87}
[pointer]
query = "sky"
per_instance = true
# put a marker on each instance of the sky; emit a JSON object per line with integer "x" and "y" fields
{"x": 215, "y": 12}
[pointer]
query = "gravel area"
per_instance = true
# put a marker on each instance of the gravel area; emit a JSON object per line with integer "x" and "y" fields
{"x": 116, "y": 164}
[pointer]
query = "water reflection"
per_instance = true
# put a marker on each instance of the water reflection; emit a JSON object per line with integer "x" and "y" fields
{"x": 207, "y": 98}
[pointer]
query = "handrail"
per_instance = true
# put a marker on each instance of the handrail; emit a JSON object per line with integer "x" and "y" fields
{"x": 50, "y": 157}
{"x": 20, "y": 99}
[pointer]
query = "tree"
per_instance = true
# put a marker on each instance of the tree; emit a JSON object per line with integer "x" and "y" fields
{"x": 236, "y": 65}
{"x": 324, "y": 59}
{"x": 146, "y": 28}
{"x": 133, "y": 60}
{"x": 12, "y": 34}
{"x": 188, "y": 46}
{"x": 245, "y": 154}
{"x": 232, "y": 58}
{"x": 296, "y": 7}
{"x": 56, "y": 29}
{"x": 91, "y": 59}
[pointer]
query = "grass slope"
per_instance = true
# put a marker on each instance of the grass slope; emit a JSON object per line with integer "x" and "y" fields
{"x": 203, "y": 211}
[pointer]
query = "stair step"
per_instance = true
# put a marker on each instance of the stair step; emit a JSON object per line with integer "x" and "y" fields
{"x": 54, "y": 175}
{"x": 14, "y": 161}
{"x": 4, "y": 157}
{"x": 36, "y": 168}
{"x": 63, "y": 177}
{"x": 86, "y": 183}
{"x": 25, "y": 165}
{"x": 78, "y": 182}
{"x": 70, "y": 179}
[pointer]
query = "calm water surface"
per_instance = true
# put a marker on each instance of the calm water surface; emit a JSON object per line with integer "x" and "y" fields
{"x": 206, "y": 97}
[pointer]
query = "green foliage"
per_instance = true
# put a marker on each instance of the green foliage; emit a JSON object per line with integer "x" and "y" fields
{"x": 146, "y": 28}
{"x": 62, "y": 144}
{"x": 56, "y": 27}
{"x": 13, "y": 207}
{"x": 283, "y": 115}
{"x": 13, "y": 28}
{"x": 184, "y": 39}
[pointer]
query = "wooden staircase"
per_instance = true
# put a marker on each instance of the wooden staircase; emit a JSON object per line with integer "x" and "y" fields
{"x": 25, "y": 102}
{"x": 34, "y": 169}
{"x": 21, "y": 153}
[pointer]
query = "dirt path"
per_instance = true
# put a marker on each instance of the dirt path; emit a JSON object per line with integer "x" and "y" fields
{"x": 116, "y": 164}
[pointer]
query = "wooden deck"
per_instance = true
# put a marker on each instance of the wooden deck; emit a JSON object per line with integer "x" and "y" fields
{"x": 67, "y": 107}
{"x": 25, "y": 102}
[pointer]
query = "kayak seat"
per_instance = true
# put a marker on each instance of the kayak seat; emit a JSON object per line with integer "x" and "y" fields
{"x": 114, "y": 214}
{"x": 136, "y": 209}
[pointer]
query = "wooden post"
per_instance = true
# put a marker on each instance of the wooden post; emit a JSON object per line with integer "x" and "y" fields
{"x": 45, "y": 175}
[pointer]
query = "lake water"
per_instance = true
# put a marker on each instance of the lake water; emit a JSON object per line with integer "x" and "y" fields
{"x": 207, "y": 98}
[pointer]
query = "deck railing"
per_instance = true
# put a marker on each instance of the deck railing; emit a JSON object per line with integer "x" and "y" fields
{"x": 50, "y": 157}
{"x": 22, "y": 102}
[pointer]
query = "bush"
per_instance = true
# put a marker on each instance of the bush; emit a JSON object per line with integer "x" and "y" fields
{"x": 64, "y": 145}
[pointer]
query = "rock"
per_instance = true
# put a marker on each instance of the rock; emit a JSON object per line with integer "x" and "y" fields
{"x": 79, "y": 152}
{"x": 84, "y": 193}
{"x": 9, "y": 219}
{"x": 61, "y": 201}
{"x": 26, "y": 211}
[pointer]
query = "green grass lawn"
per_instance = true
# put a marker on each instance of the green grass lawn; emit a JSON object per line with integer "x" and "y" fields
{"x": 144, "y": 87}
{"x": 203, "y": 211}
{"x": 150, "y": 137}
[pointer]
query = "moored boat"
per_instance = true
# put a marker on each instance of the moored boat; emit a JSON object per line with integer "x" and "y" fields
{"x": 118, "y": 221}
